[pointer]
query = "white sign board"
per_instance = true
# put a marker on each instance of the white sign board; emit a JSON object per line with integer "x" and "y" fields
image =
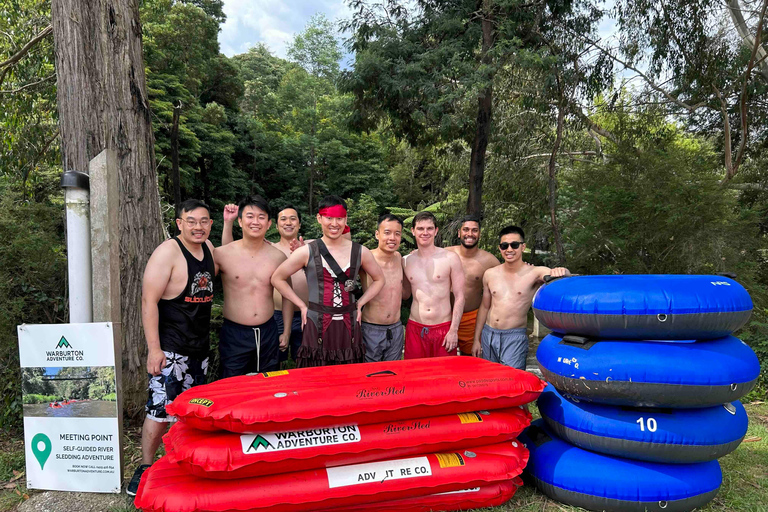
{"x": 71, "y": 433}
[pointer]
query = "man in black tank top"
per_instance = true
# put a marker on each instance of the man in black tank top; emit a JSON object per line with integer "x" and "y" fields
{"x": 177, "y": 295}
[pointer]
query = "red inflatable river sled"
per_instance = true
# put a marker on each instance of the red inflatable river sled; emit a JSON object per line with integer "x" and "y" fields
{"x": 329, "y": 396}
{"x": 229, "y": 455}
{"x": 466, "y": 499}
{"x": 167, "y": 487}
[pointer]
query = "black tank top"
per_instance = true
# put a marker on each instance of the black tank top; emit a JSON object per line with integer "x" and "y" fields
{"x": 185, "y": 320}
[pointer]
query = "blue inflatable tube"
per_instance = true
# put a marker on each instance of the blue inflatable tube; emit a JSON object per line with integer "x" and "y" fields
{"x": 650, "y": 373}
{"x": 574, "y": 476}
{"x": 644, "y": 306}
{"x": 673, "y": 436}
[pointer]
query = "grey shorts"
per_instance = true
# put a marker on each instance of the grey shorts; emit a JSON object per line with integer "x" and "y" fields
{"x": 508, "y": 347}
{"x": 383, "y": 342}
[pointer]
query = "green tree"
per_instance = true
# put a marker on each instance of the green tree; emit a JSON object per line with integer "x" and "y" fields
{"x": 432, "y": 70}
{"x": 29, "y": 144}
{"x": 317, "y": 53}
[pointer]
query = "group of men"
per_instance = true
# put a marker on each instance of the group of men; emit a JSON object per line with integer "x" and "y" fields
{"x": 302, "y": 298}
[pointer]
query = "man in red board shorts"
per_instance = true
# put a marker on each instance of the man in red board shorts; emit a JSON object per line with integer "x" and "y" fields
{"x": 331, "y": 319}
{"x": 431, "y": 274}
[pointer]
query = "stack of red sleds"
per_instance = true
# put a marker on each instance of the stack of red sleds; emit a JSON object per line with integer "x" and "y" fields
{"x": 418, "y": 435}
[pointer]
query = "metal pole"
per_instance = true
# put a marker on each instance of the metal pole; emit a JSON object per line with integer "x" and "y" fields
{"x": 76, "y": 196}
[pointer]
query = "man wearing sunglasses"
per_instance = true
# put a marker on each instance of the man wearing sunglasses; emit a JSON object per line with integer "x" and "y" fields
{"x": 475, "y": 262}
{"x": 500, "y": 333}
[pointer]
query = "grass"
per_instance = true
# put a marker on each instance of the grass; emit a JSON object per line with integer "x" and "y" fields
{"x": 744, "y": 489}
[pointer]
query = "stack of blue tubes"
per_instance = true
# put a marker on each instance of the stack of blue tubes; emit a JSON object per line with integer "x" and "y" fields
{"x": 644, "y": 382}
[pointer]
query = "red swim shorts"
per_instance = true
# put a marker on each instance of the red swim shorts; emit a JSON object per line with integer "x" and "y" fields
{"x": 426, "y": 340}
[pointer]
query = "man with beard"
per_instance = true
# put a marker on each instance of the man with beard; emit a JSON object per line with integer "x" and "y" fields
{"x": 249, "y": 340}
{"x": 508, "y": 290}
{"x": 176, "y": 299}
{"x": 475, "y": 262}
{"x": 288, "y": 226}
{"x": 432, "y": 273}
{"x": 383, "y": 333}
{"x": 331, "y": 318}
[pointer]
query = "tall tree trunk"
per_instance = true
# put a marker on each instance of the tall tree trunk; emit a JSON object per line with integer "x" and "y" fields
{"x": 102, "y": 103}
{"x": 311, "y": 169}
{"x": 206, "y": 181}
{"x": 483, "y": 129}
{"x": 553, "y": 185}
{"x": 175, "y": 156}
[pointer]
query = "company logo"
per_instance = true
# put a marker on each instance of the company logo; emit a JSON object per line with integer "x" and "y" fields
{"x": 367, "y": 394}
{"x": 202, "y": 282}
{"x": 406, "y": 426}
{"x": 63, "y": 352}
{"x": 280, "y": 441}
{"x": 201, "y": 401}
{"x": 259, "y": 442}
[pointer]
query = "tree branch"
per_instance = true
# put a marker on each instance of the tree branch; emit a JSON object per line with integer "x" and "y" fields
{"x": 6, "y": 66}
{"x": 646, "y": 78}
{"x": 564, "y": 153}
{"x": 28, "y": 168}
{"x": 737, "y": 16}
{"x": 743, "y": 97}
{"x": 14, "y": 91}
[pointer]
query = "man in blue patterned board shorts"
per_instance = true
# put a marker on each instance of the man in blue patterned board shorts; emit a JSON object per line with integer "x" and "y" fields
{"x": 177, "y": 294}
{"x": 508, "y": 290}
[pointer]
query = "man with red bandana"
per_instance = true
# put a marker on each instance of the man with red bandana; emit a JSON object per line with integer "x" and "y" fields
{"x": 331, "y": 318}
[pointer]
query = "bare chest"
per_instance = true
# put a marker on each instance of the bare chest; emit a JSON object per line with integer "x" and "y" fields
{"x": 432, "y": 273}
{"x": 246, "y": 270}
{"x": 511, "y": 288}
{"x": 473, "y": 273}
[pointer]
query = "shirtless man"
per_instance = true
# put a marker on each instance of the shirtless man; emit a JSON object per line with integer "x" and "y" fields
{"x": 249, "y": 340}
{"x": 508, "y": 290}
{"x": 432, "y": 273}
{"x": 383, "y": 333}
{"x": 475, "y": 262}
{"x": 176, "y": 299}
{"x": 331, "y": 318}
{"x": 288, "y": 226}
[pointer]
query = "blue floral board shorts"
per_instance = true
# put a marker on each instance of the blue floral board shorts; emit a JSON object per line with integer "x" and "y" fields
{"x": 180, "y": 374}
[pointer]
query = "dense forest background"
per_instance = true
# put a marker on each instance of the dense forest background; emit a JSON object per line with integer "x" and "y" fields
{"x": 642, "y": 153}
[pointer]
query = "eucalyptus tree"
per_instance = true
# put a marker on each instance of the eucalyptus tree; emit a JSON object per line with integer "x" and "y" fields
{"x": 430, "y": 66}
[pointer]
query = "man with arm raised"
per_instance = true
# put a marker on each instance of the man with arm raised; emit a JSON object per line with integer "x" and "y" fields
{"x": 289, "y": 227}
{"x": 249, "y": 340}
{"x": 432, "y": 273}
{"x": 331, "y": 318}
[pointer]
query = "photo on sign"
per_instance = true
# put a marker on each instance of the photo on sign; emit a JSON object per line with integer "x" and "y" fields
{"x": 69, "y": 391}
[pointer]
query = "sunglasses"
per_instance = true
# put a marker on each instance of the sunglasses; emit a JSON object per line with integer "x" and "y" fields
{"x": 515, "y": 245}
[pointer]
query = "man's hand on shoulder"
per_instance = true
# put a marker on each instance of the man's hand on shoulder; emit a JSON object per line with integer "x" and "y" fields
{"x": 296, "y": 243}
